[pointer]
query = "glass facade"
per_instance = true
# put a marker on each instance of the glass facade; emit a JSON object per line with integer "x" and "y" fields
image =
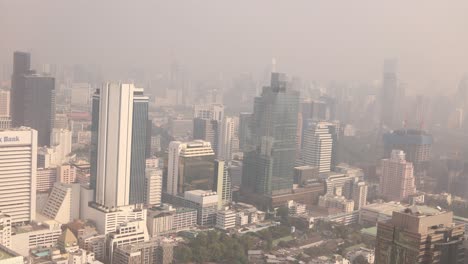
{"x": 196, "y": 173}
{"x": 268, "y": 168}
{"x": 138, "y": 164}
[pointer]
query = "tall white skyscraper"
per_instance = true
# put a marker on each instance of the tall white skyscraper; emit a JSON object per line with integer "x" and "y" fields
{"x": 114, "y": 144}
{"x": 18, "y": 162}
{"x": 225, "y": 147}
{"x": 318, "y": 146}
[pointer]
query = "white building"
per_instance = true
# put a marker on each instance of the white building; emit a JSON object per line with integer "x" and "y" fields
{"x": 43, "y": 234}
{"x": 153, "y": 186}
{"x": 18, "y": 161}
{"x": 225, "y": 219}
{"x": 359, "y": 194}
{"x": 63, "y": 204}
{"x": 209, "y": 111}
{"x": 115, "y": 144}
{"x": 226, "y": 144}
{"x": 206, "y": 204}
{"x": 339, "y": 203}
{"x": 318, "y": 145}
{"x": 61, "y": 139}
{"x": 5, "y": 230}
{"x": 296, "y": 208}
{"x": 132, "y": 232}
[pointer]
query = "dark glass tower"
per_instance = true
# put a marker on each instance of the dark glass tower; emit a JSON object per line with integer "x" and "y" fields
{"x": 138, "y": 149}
{"x": 32, "y": 98}
{"x": 268, "y": 167}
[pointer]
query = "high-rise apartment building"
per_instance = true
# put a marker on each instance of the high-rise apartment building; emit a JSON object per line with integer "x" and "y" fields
{"x": 32, "y": 98}
{"x": 397, "y": 180}
{"x": 153, "y": 186}
{"x": 416, "y": 144}
{"x": 268, "y": 166}
{"x": 119, "y": 120}
{"x": 18, "y": 161}
{"x": 190, "y": 167}
{"x": 420, "y": 235}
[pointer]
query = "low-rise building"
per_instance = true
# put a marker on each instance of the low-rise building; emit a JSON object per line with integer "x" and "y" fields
{"x": 36, "y": 234}
{"x": 225, "y": 219}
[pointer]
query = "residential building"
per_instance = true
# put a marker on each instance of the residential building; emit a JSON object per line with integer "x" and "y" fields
{"x": 397, "y": 180}
{"x": 153, "y": 186}
{"x": 66, "y": 173}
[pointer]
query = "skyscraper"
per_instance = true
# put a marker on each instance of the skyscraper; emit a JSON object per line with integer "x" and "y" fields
{"x": 120, "y": 114}
{"x": 397, "y": 180}
{"x": 318, "y": 147}
{"x": 18, "y": 160}
{"x": 417, "y": 146}
{"x": 420, "y": 234}
{"x": 32, "y": 98}
{"x": 222, "y": 183}
{"x": 207, "y": 124}
{"x": 227, "y": 139}
{"x": 392, "y": 95}
{"x": 190, "y": 167}
{"x": 245, "y": 120}
{"x": 268, "y": 167}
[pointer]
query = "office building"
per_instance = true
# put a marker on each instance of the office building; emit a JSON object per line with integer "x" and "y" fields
{"x": 118, "y": 159}
{"x": 227, "y": 140}
{"x": 190, "y": 167}
{"x": 305, "y": 174}
{"x": 18, "y": 161}
{"x": 370, "y": 214}
{"x": 359, "y": 194}
{"x": 166, "y": 219}
{"x": 209, "y": 111}
{"x": 153, "y": 187}
{"x": 416, "y": 144}
{"x": 63, "y": 204}
{"x": 245, "y": 120}
{"x": 206, "y": 204}
{"x": 32, "y": 99}
{"x": 318, "y": 145}
{"x": 181, "y": 129}
{"x": 222, "y": 183}
{"x": 34, "y": 235}
{"x": 268, "y": 167}
{"x": 419, "y": 235}
{"x": 397, "y": 180}
{"x": 145, "y": 253}
{"x": 336, "y": 203}
{"x": 132, "y": 232}
{"x": 207, "y": 130}
{"x": 62, "y": 142}
{"x": 392, "y": 95}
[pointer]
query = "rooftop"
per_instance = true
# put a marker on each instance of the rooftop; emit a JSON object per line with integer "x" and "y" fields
{"x": 5, "y": 254}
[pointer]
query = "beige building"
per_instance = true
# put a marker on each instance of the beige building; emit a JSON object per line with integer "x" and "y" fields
{"x": 397, "y": 179}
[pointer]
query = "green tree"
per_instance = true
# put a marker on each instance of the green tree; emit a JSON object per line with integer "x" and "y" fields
{"x": 183, "y": 254}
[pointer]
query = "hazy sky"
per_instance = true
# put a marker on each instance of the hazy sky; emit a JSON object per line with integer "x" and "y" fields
{"x": 316, "y": 39}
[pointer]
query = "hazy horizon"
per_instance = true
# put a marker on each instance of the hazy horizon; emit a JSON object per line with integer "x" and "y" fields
{"x": 316, "y": 40}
